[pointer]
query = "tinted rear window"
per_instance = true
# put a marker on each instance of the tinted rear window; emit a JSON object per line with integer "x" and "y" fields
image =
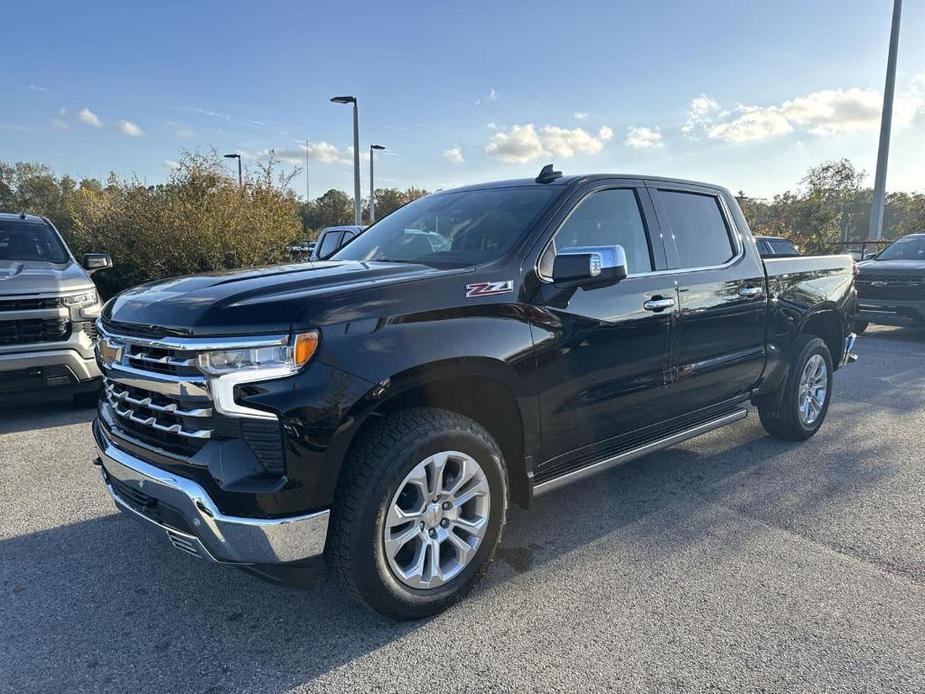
{"x": 699, "y": 228}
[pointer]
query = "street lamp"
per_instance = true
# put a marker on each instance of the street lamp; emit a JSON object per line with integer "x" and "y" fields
{"x": 356, "y": 153}
{"x": 238, "y": 157}
{"x": 372, "y": 188}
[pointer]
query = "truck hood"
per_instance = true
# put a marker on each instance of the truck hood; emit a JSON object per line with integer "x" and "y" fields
{"x": 891, "y": 267}
{"x": 259, "y": 301}
{"x": 19, "y": 277}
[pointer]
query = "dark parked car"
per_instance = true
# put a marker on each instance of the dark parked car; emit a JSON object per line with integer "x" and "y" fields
{"x": 332, "y": 239}
{"x": 386, "y": 406}
{"x": 891, "y": 286}
{"x": 775, "y": 246}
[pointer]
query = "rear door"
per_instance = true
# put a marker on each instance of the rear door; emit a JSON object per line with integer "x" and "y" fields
{"x": 602, "y": 353}
{"x": 720, "y": 346}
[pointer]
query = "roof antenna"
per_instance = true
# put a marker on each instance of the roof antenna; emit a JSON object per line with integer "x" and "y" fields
{"x": 547, "y": 175}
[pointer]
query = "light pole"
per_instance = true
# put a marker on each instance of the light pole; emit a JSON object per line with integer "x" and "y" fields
{"x": 372, "y": 188}
{"x": 307, "y": 191}
{"x": 356, "y": 153}
{"x": 238, "y": 157}
{"x": 876, "y": 210}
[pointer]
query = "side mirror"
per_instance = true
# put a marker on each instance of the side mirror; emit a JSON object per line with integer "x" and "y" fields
{"x": 589, "y": 265}
{"x": 96, "y": 261}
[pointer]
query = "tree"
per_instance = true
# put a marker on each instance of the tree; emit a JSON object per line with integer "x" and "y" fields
{"x": 332, "y": 209}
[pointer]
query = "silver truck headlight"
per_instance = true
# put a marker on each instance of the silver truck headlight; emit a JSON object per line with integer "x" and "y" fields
{"x": 278, "y": 360}
{"x": 88, "y": 298}
{"x": 228, "y": 368}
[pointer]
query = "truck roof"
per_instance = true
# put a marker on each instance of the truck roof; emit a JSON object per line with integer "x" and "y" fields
{"x": 16, "y": 216}
{"x": 568, "y": 181}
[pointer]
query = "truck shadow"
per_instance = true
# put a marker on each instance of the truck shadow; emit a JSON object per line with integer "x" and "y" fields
{"x": 106, "y": 604}
{"x": 31, "y": 412}
{"x": 112, "y": 605}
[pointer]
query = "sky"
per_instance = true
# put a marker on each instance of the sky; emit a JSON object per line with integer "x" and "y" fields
{"x": 744, "y": 94}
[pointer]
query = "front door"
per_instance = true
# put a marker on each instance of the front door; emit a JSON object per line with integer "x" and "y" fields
{"x": 603, "y": 356}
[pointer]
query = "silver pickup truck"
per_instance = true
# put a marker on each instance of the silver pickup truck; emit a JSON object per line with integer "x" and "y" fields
{"x": 48, "y": 305}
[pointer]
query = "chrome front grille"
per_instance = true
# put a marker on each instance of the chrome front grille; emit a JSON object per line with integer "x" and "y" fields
{"x": 159, "y": 360}
{"x": 156, "y": 397}
{"x": 157, "y": 413}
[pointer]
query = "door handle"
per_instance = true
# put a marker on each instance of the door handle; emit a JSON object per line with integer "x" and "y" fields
{"x": 658, "y": 304}
{"x": 750, "y": 292}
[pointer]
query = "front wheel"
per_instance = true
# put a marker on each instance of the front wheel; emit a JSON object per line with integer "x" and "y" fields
{"x": 418, "y": 513}
{"x": 799, "y": 408}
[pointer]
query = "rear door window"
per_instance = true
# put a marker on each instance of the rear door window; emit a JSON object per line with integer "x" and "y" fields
{"x": 698, "y": 227}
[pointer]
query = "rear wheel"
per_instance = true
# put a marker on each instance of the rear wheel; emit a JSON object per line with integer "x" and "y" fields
{"x": 797, "y": 411}
{"x": 419, "y": 512}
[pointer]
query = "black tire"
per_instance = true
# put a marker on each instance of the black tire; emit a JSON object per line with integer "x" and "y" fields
{"x": 859, "y": 326}
{"x": 377, "y": 464}
{"x": 780, "y": 414}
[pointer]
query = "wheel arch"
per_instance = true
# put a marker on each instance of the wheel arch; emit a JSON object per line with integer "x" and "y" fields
{"x": 488, "y": 391}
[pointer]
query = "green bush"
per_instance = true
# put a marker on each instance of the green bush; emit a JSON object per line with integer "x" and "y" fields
{"x": 199, "y": 221}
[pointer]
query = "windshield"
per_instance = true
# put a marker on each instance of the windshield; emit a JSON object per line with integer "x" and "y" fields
{"x": 465, "y": 228}
{"x": 30, "y": 241}
{"x": 911, "y": 248}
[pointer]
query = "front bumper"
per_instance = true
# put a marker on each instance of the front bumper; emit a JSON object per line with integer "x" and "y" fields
{"x": 892, "y": 311}
{"x": 192, "y": 521}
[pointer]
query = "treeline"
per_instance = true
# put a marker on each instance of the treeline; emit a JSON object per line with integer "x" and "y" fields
{"x": 201, "y": 220}
{"x": 831, "y": 205}
{"x": 336, "y": 207}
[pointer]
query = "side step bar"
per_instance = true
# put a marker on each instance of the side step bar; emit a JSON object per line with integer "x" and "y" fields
{"x": 632, "y": 454}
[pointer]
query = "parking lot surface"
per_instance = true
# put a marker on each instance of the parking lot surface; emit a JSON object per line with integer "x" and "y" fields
{"x": 734, "y": 562}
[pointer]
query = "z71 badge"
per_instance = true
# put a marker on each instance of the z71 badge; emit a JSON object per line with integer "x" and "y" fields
{"x": 489, "y": 288}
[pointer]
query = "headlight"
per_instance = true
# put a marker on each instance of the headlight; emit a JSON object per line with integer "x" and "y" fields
{"x": 280, "y": 360}
{"x": 83, "y": 299}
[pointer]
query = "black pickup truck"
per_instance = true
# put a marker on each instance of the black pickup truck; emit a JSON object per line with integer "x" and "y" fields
{"x": 384, "y": 407}
{"x": 891, "y": 285}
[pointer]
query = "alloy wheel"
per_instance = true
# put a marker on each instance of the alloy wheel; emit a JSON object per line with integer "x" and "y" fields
{"x": 813, "y": 389}
{"x": 436, "y": 520}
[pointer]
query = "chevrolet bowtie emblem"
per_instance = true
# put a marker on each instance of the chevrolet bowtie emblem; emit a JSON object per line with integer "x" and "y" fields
{"x": 110, "y": 353}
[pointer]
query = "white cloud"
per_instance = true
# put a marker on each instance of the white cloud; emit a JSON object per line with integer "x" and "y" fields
{"x": 643, "y": 138}
{"x": 171, "y": 164}
{"x": 520, "y": 144}
{"x": 88, "y": 117}
{"x": 700, "y": 115}
{"x": 824, "y": 113}
{"x": 753, "y": 124}
{"x": 581, "y": 115}
{"x": 60, "y": 124}
{"x": 129, "y": 129}
{"x": 322, "y": 152}
{"x": 523, "y": 143}
{"x": 454, "y": 155}
{"x": 38, "y": 88}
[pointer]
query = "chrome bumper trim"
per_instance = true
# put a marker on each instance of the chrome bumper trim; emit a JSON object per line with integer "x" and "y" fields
{"x": 221, "y": 538}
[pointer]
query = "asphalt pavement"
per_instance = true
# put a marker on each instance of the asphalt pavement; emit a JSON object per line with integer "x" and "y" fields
{"x": 734, "y": 562}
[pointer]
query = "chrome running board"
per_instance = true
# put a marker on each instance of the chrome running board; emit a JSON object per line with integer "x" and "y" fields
{"x": 633, "y": 453}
